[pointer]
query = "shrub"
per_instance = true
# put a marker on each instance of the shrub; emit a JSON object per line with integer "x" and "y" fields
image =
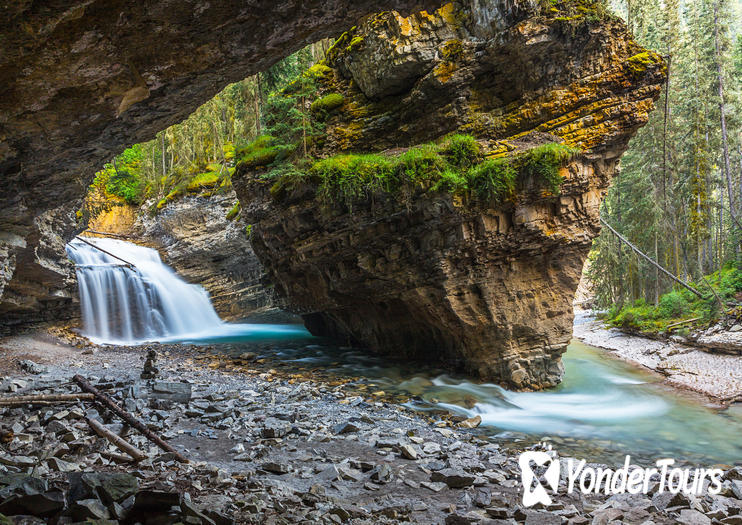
{"x": 203, "y": 180}
{"x": 461, "y": 151}
{"x": 543, "y": 163}
{"x": 492, "y": 179}
{"x": 125, "y": 185}
{"x": 672, "y": 305}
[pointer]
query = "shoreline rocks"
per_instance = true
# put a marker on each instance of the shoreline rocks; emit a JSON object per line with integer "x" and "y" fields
{"x": 272, "y": 448}
{"x": 716, "y": 375}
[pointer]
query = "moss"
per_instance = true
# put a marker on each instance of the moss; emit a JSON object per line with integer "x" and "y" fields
{"x": 327, "y": 103}
{"x": 260, "y": 152}
{"x": 318, "y": 71}
{"x": 451, "y": 49}
{"x": 639, "y": 63}
{"x": 355, "y": 42}
{"x": 455, "y": 166}
{"x": 201, "y": 181}
{"x": 234, "y": 212}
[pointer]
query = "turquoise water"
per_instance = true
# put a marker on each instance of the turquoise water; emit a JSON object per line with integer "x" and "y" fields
{"x": 602, "y": 410}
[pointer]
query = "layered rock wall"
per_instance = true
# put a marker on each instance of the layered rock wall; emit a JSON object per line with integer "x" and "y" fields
{"x": 479, "y": 285}
{"x": 194, "y": 236}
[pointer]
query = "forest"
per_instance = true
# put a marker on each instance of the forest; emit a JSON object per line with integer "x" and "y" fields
{"x": 677, "y": 198}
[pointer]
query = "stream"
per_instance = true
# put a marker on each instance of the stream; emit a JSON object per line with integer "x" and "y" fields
{"x": 603, "y": 410}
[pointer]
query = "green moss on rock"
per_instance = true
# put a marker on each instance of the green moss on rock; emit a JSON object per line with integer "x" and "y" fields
{"x": 639, "y": 63}
{"x": 456, "y": 166}
{"x": 327, "y": 103}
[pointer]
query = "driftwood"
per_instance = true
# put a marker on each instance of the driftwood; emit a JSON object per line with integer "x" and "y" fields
{"x": 118, "y": 441}
{"x": 682, "y": 322}
{"x": 109, "y": 403}
{"x": 45, "y": 399}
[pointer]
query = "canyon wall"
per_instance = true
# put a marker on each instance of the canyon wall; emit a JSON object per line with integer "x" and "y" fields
{"x": 81, "y": 80}
{"x": 435, "y": 275}
{"x": 195, "y": 237}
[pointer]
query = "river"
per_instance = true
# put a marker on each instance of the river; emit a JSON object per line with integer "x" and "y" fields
{"x": 603, "y": 410}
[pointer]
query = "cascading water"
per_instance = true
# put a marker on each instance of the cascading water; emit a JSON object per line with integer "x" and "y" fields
{"x": 143, "y": 301}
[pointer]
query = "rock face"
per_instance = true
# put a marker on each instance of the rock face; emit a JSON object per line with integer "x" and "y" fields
{"x": 476, "y": 285}
{"x": 45, "y": 289}
{"x": 194, "y": 236}
{"x": 81, "y": 80}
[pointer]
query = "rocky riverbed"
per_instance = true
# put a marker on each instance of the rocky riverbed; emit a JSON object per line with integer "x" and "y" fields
{"x": 267, "y": 446}
{"x": 717, "y": 375}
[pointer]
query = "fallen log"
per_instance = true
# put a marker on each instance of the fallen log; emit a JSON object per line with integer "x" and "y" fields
{"x": 673, "y": 325}
{"x": 44, "y": 399}
{"x": 110, "y": 404}
{"x": 118, "y": 441}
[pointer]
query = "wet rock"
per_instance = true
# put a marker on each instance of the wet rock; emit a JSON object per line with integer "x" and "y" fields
{"x": 454, "y": 478}
{"x": 472, "y": 422}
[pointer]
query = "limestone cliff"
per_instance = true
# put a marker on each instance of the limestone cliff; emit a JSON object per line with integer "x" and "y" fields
{"x": 469, "y": 280}
{"x": 83, "y": 79}
{"x": 195, "y": 236}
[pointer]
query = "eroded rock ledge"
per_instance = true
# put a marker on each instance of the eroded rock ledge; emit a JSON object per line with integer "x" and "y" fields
{"x": 474, "y": 284}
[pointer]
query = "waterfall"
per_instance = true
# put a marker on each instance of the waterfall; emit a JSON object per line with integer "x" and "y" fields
{"x": 146, "y": 301}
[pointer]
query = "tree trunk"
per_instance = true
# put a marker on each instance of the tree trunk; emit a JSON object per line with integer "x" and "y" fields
{"x": 722, "y": 111}
{"x": 164, "y": 156}
{"x": 256, "y": 102}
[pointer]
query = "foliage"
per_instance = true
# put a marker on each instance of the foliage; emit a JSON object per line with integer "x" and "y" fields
{"x": 234, "y": 212}
{"x": 680, "y": 305}
{"x": 455, "y": 166}
{"x": 197, "y": 155}
{"x": 543, "y": 164}
{"x": 671, "y": 196}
